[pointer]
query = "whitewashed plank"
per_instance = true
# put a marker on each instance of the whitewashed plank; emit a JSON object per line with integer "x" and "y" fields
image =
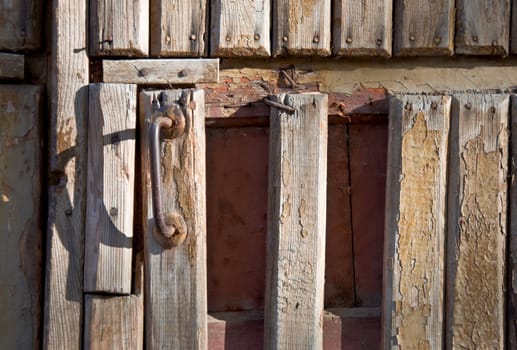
{"x": 12, "y": 66}
{"x": 111, "y": 179}
{"x": 483, "y": 27}
{"x": 119, "y": 28}
{"x": 68, "y": 89}
{"x": 240, "y": 28}
{"x": 178, "y": 28}
{"x": 362, "y": 28}
{"x": 296, "y": 223}
{"x": 415, "y": 222}
{"x": 161, "y": 71}
{"x": 301, "y": 27}
{"x": 476, "y": 247}
{"x": 175, "y": 278}
{"x": 512, "y": 261}
{"x": 424, "y": 28}
{"x": 20, "y": 24}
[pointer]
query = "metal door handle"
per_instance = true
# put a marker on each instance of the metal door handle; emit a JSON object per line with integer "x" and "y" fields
{"x": 170, "y": 228}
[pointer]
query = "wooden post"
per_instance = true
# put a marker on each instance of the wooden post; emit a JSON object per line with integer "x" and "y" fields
{"x": 68, "y": 89}
{"x": 476, "y": 247}
{"x": 111, "y": 177}
{"x": 415, "y": 222}
{"x": 175, "y": 278}
{"x": 296, "y": 223}
{"x": 512, "y": 271}
{"x": 20, "y": 196}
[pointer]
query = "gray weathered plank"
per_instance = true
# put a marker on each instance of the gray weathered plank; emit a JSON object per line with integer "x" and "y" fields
{"x": 20, "y": 190}
{"x": 68, "y": 89}
{"x": 20, "y": 24}
{"x": 362, "y": 28}
{"x": 296, "y": 223}
{"x": 111, "y": 178}
{"x": 301, "y": 27}
{"x": 513, "y": 32}
{"x": 424, "y": 28}
{"x": 175, "y": 278}
{"x": 476, "y": 247}
{"x": 512, "y": 278}
{"x": 116, "y": 322}
{"x": 178, "y": 28}
{"x": 12, "y": 66}
{"x": 415, "y": 222}
{"x": 119, "y": 28}
{"x": 240, "y": 28}
{"x": 161, "y": 71}
{"x": 483, "y": 27}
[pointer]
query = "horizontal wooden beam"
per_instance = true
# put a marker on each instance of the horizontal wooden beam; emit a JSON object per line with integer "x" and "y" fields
{"x": 12, "y": 66}
{"x": 161, "y": 71}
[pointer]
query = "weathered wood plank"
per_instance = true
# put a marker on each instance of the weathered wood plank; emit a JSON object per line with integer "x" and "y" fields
{"x": 110, "y": 195}
{"x": 415, "y": 222}
{"x": 119, "y": 28}
{"x": 362, "y": 28}
{"x": 178, "y": 28}
{"x": 424, "y": 28}
{"x": 12, "y": 66}
{"x": 20, "y": 24}
{"x": 513, "y": 30}
{"x": 476, "y": 247}
{"x": 116, "y": 322}
{"x": 161, "y": 71}
{"x": 296, "y": 223}
{"x": 483, "y": 27}
{"x": 176, "y": 312}
{"x": 240, "y": 28}
{"x": 68, "y": 89}
{"x": 512, "y": 270}
{"x": 301, "y": 27}
{"x": 20, "y": 190}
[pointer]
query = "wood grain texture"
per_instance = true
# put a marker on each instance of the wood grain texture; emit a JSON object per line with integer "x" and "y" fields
{"x": 68, "y": 89}
{"x": 178, "y": 28}
{"x": 415, "y": 222}
{"x": 362, "y": 28}
{"x": 476, "y": 247}
{"x": 20, "y": 24}
{"x": 424, "y": 28}
{"x": 176, "y": 312}
{"x": 483, "y": 27}
{"x": 301, "y": 28}
{"x": 12, "y": 66}
{"x": 240, "y": 28}
{"x": 20, "y": 191}
{"x": 110, "y": 195}
{"x": 161, "y": 71}
{"x": 119, "y": 28}
{"x": 513, "y": 31}
{"x": 512, "y": 257}
{"x": 296, "y": 223}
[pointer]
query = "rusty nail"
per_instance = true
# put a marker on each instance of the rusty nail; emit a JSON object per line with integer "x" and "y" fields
{"x": 113, "y": 211}
{"x": 475, "y": 38}
{"x": 379, "y": 42}
{"x": 468, "y": 105}
{"x": 115, "y": 139}
{"x": 257, "y": 36}
{"x": 192, "y": 37}
{"x": 437, "y": 40}
{"x": 492, "y": 110}
{"x": 183, "y": 73}
{"x": 434, "y": 105}
{"x": 316, "y": 39}
{"x": 411, "y": 37}
{"x": 285, "y": 38}
{"x": 228, "y": 38}
{"x": 281, "y": 106}
{"x": 349, "y": 40}
{"x": 408, "y": 106}
{"x": 68, "y": 212}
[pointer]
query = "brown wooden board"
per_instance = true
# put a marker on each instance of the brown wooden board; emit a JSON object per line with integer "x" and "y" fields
{"x": 20, "y": 227}
{"x": 424, "y": 28}
{"x": 20, "y": 24}
{"x": 12, "y": 66}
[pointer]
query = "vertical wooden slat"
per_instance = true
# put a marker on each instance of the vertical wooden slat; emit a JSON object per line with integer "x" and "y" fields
{"x": 68, "y": 79}
{"x": 482, "y": 27}
{"x": 178, "y": 28}
{"x": 296, "y": 223}
{"x": 111, "y": 177}
{"x": 175, "y": 278}
{"x": 20, "y": 190}
{"x": 512, "y": 278}
{"x": 362, "y": 28}
{"x": 415, "y": 222}
{"x": 20, "y": 24}
{"x": 119, "y": 28}
{"x": 301, "y": 27}
{"x": 424, "y": 27}
{"x": 240, "y": 28}
{"x": 513, "y": 31}
{"x": 476, "y": 248}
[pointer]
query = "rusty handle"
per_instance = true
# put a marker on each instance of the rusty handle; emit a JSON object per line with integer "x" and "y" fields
{"x": 171, "y": 226}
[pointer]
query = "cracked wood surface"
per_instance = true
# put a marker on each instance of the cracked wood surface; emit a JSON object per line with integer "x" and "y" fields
{"x": 477, "y": 222}
{"x": 296, "y": 223}
{"x": 20, "y": 24}
{"x": 20, "y": 191}
{"x": 110, "y": 195}
{"x": 175, "y": 278}
{"x": 512, "y": 271}
{"x": 415, "y": 222}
